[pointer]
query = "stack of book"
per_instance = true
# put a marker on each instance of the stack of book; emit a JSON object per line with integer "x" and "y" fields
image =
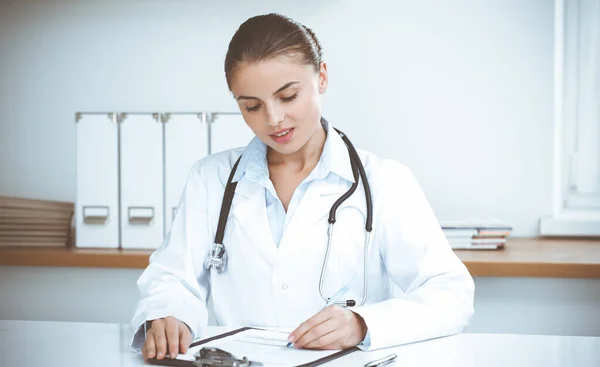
{"x": 30, "y": 222}
{"x": 476, "y": 236}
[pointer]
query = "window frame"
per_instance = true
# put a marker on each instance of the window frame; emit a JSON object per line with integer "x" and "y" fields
{"x": 574, "y": 213}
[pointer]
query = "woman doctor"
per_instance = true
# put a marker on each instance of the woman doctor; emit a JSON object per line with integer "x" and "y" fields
{"x": 288, "y": 178}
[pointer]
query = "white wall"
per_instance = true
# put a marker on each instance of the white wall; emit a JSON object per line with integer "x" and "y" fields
{"x": 461, "y": 91}
{"x": 502, "y": 305}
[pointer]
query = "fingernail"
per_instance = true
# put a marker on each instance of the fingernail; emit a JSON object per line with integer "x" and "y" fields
{"x": 291, "y": 338}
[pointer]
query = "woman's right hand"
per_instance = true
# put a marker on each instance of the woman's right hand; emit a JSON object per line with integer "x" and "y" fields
{"x": 166, "y": 336}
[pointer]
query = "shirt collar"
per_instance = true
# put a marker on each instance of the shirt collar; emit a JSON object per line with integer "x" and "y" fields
{"x": 253, "y": 164}
{"x": 334, "y": 158}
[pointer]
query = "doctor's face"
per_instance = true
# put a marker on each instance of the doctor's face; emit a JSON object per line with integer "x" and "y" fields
{"x": 280, "y": 101}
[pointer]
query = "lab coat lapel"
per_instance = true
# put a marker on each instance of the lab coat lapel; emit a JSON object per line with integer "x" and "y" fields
{"x": 250, "y": 213}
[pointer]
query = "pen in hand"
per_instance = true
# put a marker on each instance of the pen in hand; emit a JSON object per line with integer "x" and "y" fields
{"x": 334, "y": 298}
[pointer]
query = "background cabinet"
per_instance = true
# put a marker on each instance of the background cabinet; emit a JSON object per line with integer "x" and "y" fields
{"x": 97, "y": 208}
{"x": 228, "y": 131}
{"x": 132, "y": 169}
{"x": 141, "y": 157}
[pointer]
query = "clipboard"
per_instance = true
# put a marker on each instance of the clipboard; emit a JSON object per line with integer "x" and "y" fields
{"x": 182, "y": 363}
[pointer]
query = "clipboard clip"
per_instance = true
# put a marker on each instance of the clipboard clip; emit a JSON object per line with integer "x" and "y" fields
{"x": 210, "y": 356}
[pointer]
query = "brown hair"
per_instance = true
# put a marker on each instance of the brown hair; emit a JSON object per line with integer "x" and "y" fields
{"x": 264, "y": 37}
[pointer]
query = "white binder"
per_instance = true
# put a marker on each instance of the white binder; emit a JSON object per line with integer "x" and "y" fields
{"x": 97, "y": 208}
{"x": 228, "y": 131}
{"x": 186, "y": 142}
{"x": 141, "y": 161}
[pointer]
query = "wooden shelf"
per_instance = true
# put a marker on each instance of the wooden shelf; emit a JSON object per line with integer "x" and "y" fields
{"x": 522, "y": 257}
{"x": 73, "y": 257}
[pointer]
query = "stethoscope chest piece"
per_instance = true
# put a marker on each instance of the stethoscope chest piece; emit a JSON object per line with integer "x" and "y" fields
{"x": 217, "y": 258}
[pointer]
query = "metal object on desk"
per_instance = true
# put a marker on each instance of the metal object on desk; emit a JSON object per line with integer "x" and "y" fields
{"x": 210, "y": 356}
{"x": 383, "y": 361}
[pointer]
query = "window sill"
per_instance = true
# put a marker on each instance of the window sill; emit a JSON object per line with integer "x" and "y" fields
{"x": 572, "y": 223}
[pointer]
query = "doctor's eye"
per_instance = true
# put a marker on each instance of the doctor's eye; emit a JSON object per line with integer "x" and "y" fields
{"x": 290, "y": 98}
{"x": 253, "y": 108}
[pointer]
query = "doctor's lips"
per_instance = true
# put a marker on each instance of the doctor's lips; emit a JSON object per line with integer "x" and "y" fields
{"x": 282, "y": 136}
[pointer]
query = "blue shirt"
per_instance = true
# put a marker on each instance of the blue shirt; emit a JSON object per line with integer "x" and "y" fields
{"x": 253, "y": 167}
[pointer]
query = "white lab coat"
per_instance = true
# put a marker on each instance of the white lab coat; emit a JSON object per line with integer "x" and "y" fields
{"x": 266, "y": 285}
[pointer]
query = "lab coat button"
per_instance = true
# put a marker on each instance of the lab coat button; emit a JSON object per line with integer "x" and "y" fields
{"x": 284, "y": 286}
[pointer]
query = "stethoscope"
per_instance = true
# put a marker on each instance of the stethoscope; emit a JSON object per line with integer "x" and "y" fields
{"x": 217, "y": 257}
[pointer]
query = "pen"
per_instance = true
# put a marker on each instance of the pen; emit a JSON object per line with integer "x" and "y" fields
{"x": 334, "y": 298}
{"x": 382, "y": 362}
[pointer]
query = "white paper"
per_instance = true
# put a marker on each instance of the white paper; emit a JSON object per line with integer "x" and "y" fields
{"x": 262, "y": 345}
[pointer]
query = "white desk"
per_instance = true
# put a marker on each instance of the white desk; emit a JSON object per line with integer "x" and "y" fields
{"x": 61, "y": 344}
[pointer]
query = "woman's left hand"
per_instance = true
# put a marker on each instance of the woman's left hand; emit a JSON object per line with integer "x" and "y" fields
{"x": 334, "y": 327}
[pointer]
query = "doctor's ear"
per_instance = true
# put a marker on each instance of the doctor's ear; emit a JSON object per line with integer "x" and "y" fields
{"x": 323, "y": 78}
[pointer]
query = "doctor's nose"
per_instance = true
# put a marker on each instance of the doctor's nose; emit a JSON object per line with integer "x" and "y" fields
{"x": 274, "y": 116}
